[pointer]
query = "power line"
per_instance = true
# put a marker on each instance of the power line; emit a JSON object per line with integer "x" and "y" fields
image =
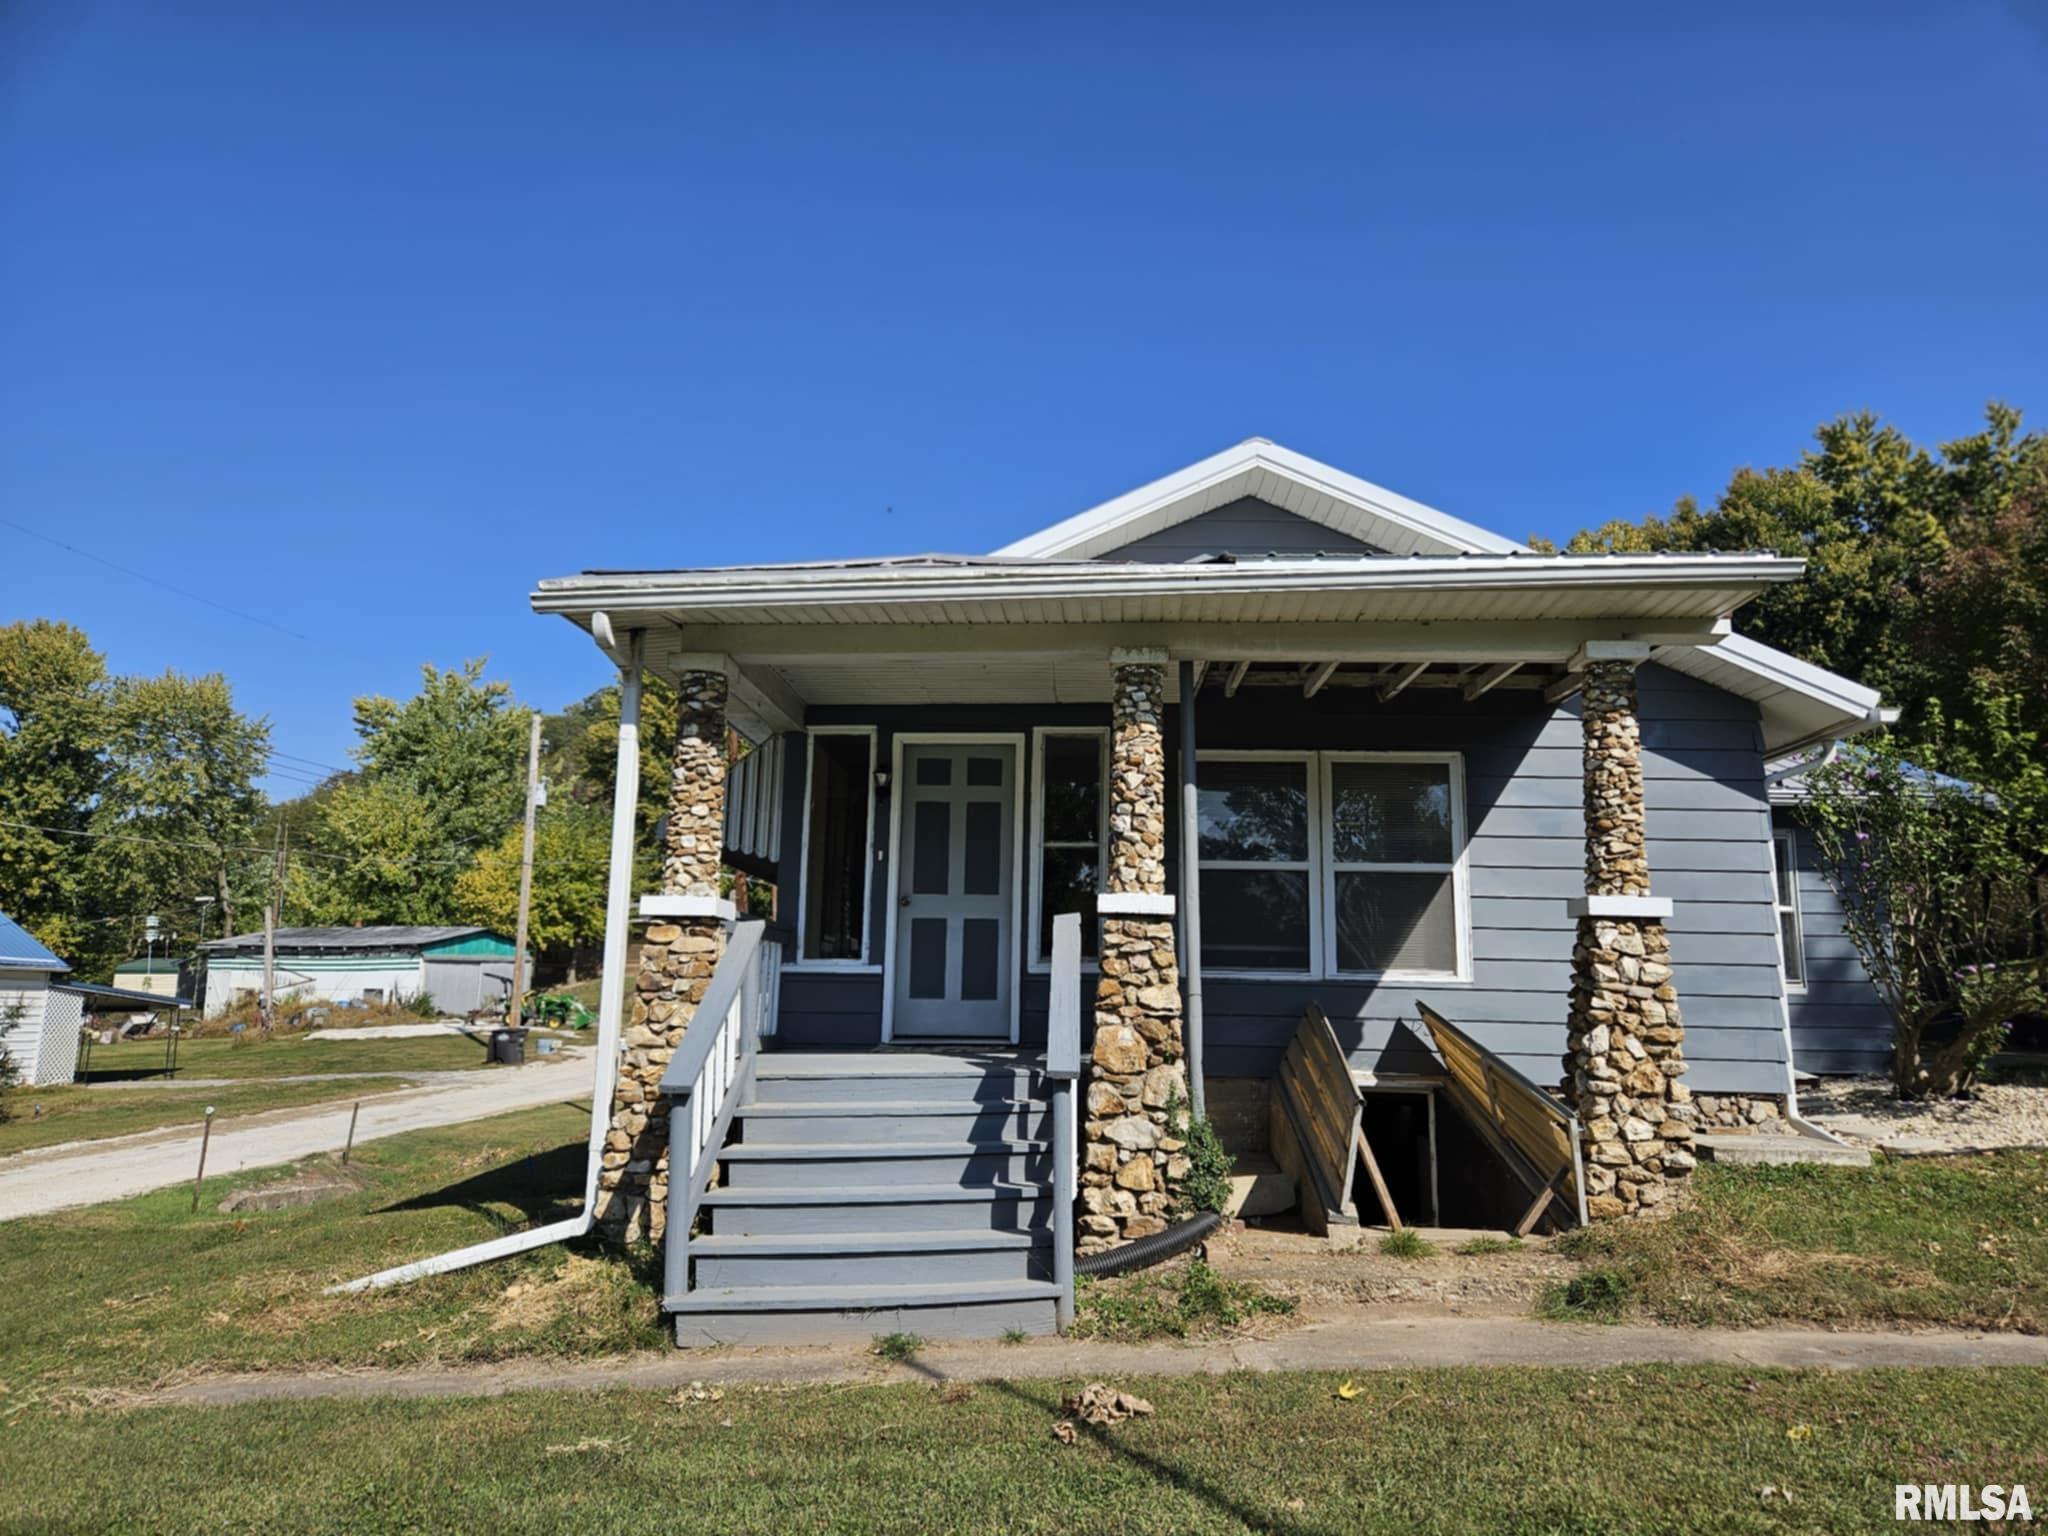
{"x": 86, "y": 554}
{"x": 271, "y": 853}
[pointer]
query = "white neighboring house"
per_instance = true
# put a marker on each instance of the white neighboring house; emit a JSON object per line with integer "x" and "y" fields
{"x": 461, "y": 966}
{"x": 38, "y": 1025}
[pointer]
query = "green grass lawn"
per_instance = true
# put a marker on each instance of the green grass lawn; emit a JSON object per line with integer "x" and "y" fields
{"x": 1959, "y": 1241}
{"x": 284, "y": 1056}
{"x": 89, "y": 1114}
{"x": 1645, "y": 1450}
{"x": 142, "y": 1290}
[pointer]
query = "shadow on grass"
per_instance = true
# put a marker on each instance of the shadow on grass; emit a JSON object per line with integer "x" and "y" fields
{"x": 540, "y": 1186}
{"x": 1045, "y": 1398}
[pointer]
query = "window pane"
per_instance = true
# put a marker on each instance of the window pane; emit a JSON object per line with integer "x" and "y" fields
{"x": 1395, "y": 922}
{"x": 1256, "y": 811}
{"x": 1795, "y": 958}
{"x": 836, "y": 872}
{"x": 1072, "y": 877}
{"x": 1392, "y": 813}
{"x": 1073, "y": 789}
{"x": 1781, "y": 859}
{"x": 1255, "y": 919}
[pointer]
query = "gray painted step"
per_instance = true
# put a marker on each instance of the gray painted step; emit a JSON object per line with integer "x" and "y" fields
{"x": 957, "y": 1320}
{"x": 960, "y": 1120}
{"x": 810, "y": 1087}
{"x": 840, "y": 1259}
{"x": 1778, "y": 1151}
{"x": 793, "y": 1314}
{"x": 819, "y": 1166}
{"x": 900, "y": 1208}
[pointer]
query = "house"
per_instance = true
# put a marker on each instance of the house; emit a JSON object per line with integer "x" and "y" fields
{"x": 38, "y": 1028}
{"x": 1279, "y": 737}
{"x": 156, "y": 975}
{"x": 461, "y": 967}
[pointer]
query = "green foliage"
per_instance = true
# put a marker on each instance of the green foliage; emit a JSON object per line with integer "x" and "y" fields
{"x": 1406, "y": 1244}
{"x": 1600, "y": 1295}
{"x": 1940, "y": 898}
{"x": 1179, "y": 1302}
{"x": 571, "y": 852}
{"x": 1480, "y": 1247}
{"x": 10, "y": 1074}
{"x": 897, "y": 1347}
{"x": 1206, "y": 1186}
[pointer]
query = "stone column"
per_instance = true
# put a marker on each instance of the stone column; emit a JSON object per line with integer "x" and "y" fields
{"x": 1132, "y": 1161}
{"x": 677, "y": 956}
{"x": 1624, "y": 1043}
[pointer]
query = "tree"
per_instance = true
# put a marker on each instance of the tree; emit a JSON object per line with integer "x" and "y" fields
{"x": 55, "y": 702}
{"x": 179, "y": 810}
{"x": 1940, "y": 899}
{"x": 565, "y": 919}
{"x": 442, "y": 775}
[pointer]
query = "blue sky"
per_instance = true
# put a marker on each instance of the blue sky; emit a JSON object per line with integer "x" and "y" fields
{"x": 362, "y": 318}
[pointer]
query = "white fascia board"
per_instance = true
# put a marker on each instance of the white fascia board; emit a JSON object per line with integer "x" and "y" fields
{"x": 1850, "y": 707}
{"x": 1095, "y": 530}
{"x": 824, "y": 586}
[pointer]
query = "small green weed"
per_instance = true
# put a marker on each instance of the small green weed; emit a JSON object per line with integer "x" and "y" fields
{"x": 1598, "y": 1294}
{"x": 1479, "y": 1247}
{"x": 1406, "y": 1244}
{"x": 897, "y": 1347}
{"x": 1179, "y": 1304}
{"x": 1015, "y": 1335}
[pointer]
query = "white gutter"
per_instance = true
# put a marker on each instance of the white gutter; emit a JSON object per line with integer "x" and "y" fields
{"x": 618, "y": 909}
{"x": 795, "y": 586}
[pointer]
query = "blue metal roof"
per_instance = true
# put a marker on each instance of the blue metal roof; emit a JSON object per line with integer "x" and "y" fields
{"x": 20, "y": 952}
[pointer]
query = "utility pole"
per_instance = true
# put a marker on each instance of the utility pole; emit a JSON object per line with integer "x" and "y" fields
{"x": 525, "y": 870}
{"x": 269, "y": 962}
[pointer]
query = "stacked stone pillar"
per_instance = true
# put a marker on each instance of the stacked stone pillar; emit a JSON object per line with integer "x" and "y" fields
{"x": 1132, "y": 1161}
{"x": 677, "y": 955}
{"x": 1625, "y": 1040}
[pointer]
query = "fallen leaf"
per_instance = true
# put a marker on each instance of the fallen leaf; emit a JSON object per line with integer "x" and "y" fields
{"x": 1799, "y": 1432}
{"x": 1064, "y": 1432}
{"x": 1097, "y": 1403}
{"x": 1294, "y": 1504}
{"x": 1348, "y": 1391}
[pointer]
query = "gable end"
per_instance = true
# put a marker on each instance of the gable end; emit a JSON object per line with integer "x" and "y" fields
{"x": 1248, "y": 528}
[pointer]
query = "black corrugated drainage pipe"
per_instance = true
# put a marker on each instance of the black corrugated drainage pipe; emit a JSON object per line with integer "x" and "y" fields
{"x": 1147, "y": 1251}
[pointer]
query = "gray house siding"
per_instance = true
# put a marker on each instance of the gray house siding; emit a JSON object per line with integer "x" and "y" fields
{"x": 1709, "y": 827}
{"x": 1839, "y": 1019}
{"x": 1247, "y": 527}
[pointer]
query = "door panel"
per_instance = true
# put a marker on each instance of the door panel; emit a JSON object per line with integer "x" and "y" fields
{"x": 955, "y": 885}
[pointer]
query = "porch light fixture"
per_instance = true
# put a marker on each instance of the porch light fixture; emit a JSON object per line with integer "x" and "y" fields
{"x": 881, "y": 781}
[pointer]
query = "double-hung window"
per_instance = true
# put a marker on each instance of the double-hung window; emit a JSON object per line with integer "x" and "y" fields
{"x": 1257, "y": 841}
{"x": 1785, "y": 888}
{"x": 1394, "y": 836}
{"x": 1334, "y": 864}
{"x": 1072, "y": 813}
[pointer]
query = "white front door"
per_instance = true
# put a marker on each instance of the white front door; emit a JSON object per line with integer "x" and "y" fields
{"x": 955, "y": 887}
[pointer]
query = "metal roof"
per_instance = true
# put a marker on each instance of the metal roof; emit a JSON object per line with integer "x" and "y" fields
{"x": 160, "y": 965}
{"x": 20, "y": 951}
{"x": 99, "y": 993}
{"x": 304, "y": 940}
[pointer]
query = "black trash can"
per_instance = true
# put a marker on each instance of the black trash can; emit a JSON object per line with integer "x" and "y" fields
{"x": 508, "y": 1046}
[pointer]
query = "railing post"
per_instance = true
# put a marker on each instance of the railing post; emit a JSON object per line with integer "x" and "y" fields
{"x": 1062, "y": 1068}
{"x": 676, "y": 1234}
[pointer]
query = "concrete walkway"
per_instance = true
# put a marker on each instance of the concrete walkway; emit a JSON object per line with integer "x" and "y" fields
{"x": 89, "y": 1172}
{"x": 1352, "y": 1341}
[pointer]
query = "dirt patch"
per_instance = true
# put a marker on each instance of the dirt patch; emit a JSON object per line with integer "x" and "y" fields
{"x": 1314, "y": 1271}
{"x": 531, "y": 1304}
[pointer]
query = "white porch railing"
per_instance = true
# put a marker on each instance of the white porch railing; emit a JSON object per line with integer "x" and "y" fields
{"x": 710, "y": 1075}
{"x": 1063, "y": 1069}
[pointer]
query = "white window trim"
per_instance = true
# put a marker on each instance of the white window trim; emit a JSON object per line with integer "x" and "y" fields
{"x": 864, "y": 965}
{"x": 1312, "y": 780}
{"x": 1461, "y": 903}
{"x": 1780, "y": 908}
{"x": 1039, "y": 733}
{"x": 1321, "y": 867}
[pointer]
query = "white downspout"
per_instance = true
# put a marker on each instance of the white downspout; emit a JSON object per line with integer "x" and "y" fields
{"x": 618, "y": 911}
